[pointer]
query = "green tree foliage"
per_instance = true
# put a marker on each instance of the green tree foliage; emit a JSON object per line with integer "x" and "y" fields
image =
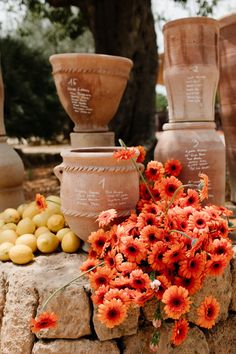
{"x": 31, "y": 105}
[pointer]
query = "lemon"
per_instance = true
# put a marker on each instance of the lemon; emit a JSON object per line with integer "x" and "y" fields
{"x": 8, "y": 236}
{"x": 53, "y": 204}
{"x": 22, "y": 207}
{"x": 25, "y": 226}
{"x": 56, "y": 222}
{"x": 21, "y": 254}
{"x": 41, "y": 230}
{"x": 2, "y": 223}
{"x": 28, "y": 240}
{"x": 70, "y": 242}
{"x": 11, "y": 215}
{"x": 47, "y": 242}
{"x": 31, "y": 211}
{"x": 53, "y": 199}
{"x": 4, "y": 251}
{"x": 61, "y": 233}
{"x": 41, "y": 219}
{"x": 9, "y": 226}
{"x": 1, "y": 216}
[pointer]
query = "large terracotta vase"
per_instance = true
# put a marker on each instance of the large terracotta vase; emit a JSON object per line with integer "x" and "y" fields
{"x": 191, "y": 73}
{"x": 200, "y": 149}
{"x": 90, "y": 87}
{"x": 227, "y": 88}
{"x": 92, "y": 181}
{"x": 191, "y": 68}
{"x": 11, "y": 166}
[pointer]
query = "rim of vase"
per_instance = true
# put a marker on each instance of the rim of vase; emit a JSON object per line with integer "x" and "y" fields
{"x": 191, "y": 20}
{"x": 227, "y": 20}
{"x": 90, "y": 55}
{"x": 90, "y": 151}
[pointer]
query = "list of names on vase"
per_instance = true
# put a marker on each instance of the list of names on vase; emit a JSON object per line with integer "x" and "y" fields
{"x": 116, "y": 198}
{"x": 196, "y": 159}
{"x": 113, "y": 198}
{"x": 79, "y": 97}
{"x": 194, "y": 88}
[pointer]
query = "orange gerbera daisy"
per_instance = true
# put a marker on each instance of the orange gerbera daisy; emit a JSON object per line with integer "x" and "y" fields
{"x": 145, "y": 219}
{"x": 155, "y": 258}
{"x": 124, "y": 154}
{"x": 222, "y": 228}
{"x": 203, "y": 188}
{"x": 150, "y": 234}
{"x": 168, "y": 186}
{"x": 208, "y": 312}
{"x": 98, "y": 240}
{"x": 180, "y": 331}
{"x": 98, "y": 296}
{"x": 173, "y": 167}
{"x": 105, "y": 217}
{"x": 216, "y": 265}
{"x": 88, "y": 264}
{"x": 142, "y": 153}
{"x": 174, "y": 254}
{"x": 113, "y": 259}
{"x": 112, "y": 313}
{"x": 192, "y": 266}
{"x": 40, "y": 202}
{"x": 141, "y": 298}
{"x": 198, "y": 222}
{"x": 133, "y": 249}
{"x": 139, "y": 280}
{"x": 102, "y": 276}
{"x": 126, "y": 267}
{"x": 222, "y": 247}
{"x": 151, "y": 208}
{"x": 154, "y": 170}
{"x": 118, "y": 294}
{"x": 43, "y": 321}
{"x": 192, "y": 284}
{"x": 177, "y": 301}
{"x": 191, "y": 199}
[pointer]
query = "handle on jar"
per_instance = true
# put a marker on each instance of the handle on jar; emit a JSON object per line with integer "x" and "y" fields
{"x": 58, "y": 170}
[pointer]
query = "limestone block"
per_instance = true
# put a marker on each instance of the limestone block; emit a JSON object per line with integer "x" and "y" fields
{"x": 222, "y": 337}
{"x": 72, "y": 307}
{"x": 128, "y": 327}
{"x": 233, "y": 272}
{"x": 195, "y": 342}
{"x": 2, "y": 295}
{"x": 221, "y": 288}
{"x": 21, "y": 301}
{"x": 82, "y": 346}
{"x": 149, "y": 308}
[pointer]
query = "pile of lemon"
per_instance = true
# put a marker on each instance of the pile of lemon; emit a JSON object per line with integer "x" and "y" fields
{"x": 27, "y": 229}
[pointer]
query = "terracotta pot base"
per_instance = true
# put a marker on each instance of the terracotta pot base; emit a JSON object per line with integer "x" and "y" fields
{"x": 92, "y": 139}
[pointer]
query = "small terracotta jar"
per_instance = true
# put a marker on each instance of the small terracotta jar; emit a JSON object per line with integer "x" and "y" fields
{"x": 191, "y": 68}
{"x": 92, "y": 181}
{"x": 90, "y": 87}
{"x": 200, "y": 149}
{"x": 227, "y": 88}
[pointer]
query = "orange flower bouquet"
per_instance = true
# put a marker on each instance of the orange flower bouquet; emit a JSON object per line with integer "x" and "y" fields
{"x": 163, "y": 250}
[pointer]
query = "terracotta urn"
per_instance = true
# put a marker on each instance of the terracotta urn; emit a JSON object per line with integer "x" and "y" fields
{"x": 191, "y": 68}
{"x": 90, "y": 87}
{"x": 92, "y": 181}
{"x": 200, "y": 149}
{"x": 227, "y": 88}
{"x": 11, "y": 166}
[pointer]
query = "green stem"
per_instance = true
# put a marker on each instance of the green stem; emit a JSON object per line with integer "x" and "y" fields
{"x": 175, "y": 193}
{"x": 180, "y": 232}
{"x": 139, "y": 172}
{"x": 67, "y": 284}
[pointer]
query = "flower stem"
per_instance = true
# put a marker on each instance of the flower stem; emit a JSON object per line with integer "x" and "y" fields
{"x": 180, "y": 232}
{"x": 175, "y": 193}
{"x": 139, "y": 172}
{"x": 67, "y": 284}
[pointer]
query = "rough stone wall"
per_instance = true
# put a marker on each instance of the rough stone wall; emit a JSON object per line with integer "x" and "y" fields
{"x": 24, "y": 288}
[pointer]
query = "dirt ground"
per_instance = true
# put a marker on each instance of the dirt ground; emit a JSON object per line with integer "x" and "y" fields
{"x": 41, "y": 180}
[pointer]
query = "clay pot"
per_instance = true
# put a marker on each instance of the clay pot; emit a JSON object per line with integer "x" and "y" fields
{"x": 11, "y": 166}
{"x": 90, "y": 87}
{"x": 200, "y": 149}
{"x": 92, "y": 181}
{"x": 191, "y": 68}
{"x": 227, "y": 90}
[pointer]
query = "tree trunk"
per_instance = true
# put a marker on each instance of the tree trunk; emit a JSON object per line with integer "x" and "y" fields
{"x": 126, "y": 28}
